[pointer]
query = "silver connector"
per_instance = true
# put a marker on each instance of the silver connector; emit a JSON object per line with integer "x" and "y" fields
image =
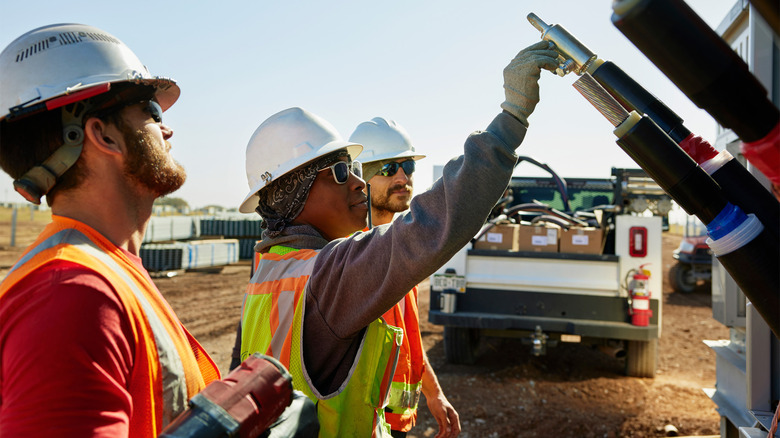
{"x": 573, "y": 56}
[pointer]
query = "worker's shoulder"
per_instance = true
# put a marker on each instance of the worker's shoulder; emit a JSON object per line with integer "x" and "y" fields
{"x": 63, "y": 280}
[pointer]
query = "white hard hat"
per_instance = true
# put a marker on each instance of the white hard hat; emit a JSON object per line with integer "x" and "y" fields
{"x": 383, "y": 139}
{"x": 284, "y": 142}
{"x": 63, "y": 59}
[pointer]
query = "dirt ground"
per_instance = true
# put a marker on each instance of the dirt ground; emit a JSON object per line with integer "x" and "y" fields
{"x": 573, "y": 391}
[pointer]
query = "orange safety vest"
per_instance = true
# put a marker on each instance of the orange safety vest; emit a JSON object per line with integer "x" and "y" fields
{"x": 401, "y": 410}
{"x": 170, "y": 366}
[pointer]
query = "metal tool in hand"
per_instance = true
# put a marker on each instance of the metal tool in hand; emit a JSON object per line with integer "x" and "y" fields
{"x": 573, "y": 55}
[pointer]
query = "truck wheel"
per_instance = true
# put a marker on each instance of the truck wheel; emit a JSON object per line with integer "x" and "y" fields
{"x": 641, "y": 358}
{"x": 460, "y": 345}
{"x": 682, "y": 279}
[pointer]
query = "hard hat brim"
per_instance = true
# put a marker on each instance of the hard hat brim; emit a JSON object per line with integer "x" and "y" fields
{"x": 404, "y": 154}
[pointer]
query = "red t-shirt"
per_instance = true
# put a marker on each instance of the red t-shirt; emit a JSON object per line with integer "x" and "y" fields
{"x": 66, "y": 354}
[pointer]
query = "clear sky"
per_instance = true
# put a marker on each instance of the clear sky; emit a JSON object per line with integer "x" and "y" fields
{"x": 433, "y": 66}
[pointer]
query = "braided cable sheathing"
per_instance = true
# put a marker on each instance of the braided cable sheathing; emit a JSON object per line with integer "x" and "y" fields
{"x": 600, "y": 99}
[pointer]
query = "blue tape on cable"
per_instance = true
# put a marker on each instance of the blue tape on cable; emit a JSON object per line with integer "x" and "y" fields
{"x": 726, "y": 221}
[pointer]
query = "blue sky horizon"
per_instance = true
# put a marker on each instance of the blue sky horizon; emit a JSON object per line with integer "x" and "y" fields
{"x": 434, "y": 67}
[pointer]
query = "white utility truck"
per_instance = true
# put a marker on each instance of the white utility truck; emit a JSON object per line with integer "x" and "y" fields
{"x": 575, "y": 260}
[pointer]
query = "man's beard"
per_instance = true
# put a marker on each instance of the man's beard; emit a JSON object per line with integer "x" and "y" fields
{"x": 387, "y": 203}
{"x": 150, "y": 166}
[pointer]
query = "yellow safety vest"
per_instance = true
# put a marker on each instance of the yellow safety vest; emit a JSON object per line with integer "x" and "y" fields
{"x": 170, "y": 366}
{"x": 272, "y": 324}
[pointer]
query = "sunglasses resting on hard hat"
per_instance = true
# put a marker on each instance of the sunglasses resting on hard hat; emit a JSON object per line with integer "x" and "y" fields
{"x": 341, "y": 170}
{"x": 391, "y": 168}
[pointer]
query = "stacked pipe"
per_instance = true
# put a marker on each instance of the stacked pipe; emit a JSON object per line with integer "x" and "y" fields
{"x": 166, "y": 228}
{"x": 163, "y": 256}
{"x": 192, "y": 254}
{"x": 247, "y": 231}
{"x": 747, "y": 249}
{"x": 231, "y": 227}
{"x": 213, "y": 252}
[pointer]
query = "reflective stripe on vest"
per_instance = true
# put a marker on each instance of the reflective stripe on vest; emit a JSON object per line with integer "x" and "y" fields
{"x": 272, "y": 323}
{"x": 401, "y": 411}
{"x": 404, "y": 396}
{"x": 178, "y": 377}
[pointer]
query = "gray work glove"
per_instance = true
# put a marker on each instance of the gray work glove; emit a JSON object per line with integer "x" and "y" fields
{"x": 521, "y": 79}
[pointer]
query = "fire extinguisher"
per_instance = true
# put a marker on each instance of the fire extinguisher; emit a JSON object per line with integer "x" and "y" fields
{"x": 639, "y": 296}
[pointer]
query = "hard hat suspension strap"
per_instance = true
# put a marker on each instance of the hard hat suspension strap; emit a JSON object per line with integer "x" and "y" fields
{"x": 34, "y": 184}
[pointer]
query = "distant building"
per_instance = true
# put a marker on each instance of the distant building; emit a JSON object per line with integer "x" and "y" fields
{"x": 210, "y": 210}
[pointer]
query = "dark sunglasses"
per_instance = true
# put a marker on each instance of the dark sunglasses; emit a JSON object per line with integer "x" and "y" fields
{"x": 154, "y": 110}
{"x": 341, "y": 170}
{"x": 391, "y": 168}
{"x": 150, "y": 107}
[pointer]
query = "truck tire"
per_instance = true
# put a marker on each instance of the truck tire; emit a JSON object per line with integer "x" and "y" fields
{"x": 682, "y": 279}
{"x": 460, "y": 345}
{"x": 641, "y": 358}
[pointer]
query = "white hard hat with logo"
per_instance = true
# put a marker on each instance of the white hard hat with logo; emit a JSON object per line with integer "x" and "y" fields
{"x": 56, "y": 65}
{"x": 66, "y": 60}
{"x": 284, "y": 142}
{"x": 383, "y": 139}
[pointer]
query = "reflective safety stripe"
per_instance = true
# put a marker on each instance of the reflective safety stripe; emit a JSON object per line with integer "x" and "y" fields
{"x": 173, "y": 379}
{"x": 404, "y": 396}
{"x": 285, "y": 309}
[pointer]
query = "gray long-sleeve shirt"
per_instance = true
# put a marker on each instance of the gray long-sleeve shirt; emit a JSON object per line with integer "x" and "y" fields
{"x": 357, "y": 279}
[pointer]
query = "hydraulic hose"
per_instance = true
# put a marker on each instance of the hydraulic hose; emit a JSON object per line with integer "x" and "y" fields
{"x": 544, "y": 208}
{"x": 550, "y": 219}
{"x": 699, "y": 63}
{"x": 559, "y": 182}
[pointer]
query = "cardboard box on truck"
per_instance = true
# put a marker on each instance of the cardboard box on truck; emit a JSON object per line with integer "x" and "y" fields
{"x": 582, "y": 240}
{"x": 500, "y": 237}
{"x": 538, "y": 238}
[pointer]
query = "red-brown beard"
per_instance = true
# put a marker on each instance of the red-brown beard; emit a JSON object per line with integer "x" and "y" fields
{"x": 383, "y": 201}
{"x": 149, "y": 166}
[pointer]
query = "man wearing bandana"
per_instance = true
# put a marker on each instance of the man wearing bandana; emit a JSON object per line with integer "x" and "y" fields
{"x": 316, "y": 299}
